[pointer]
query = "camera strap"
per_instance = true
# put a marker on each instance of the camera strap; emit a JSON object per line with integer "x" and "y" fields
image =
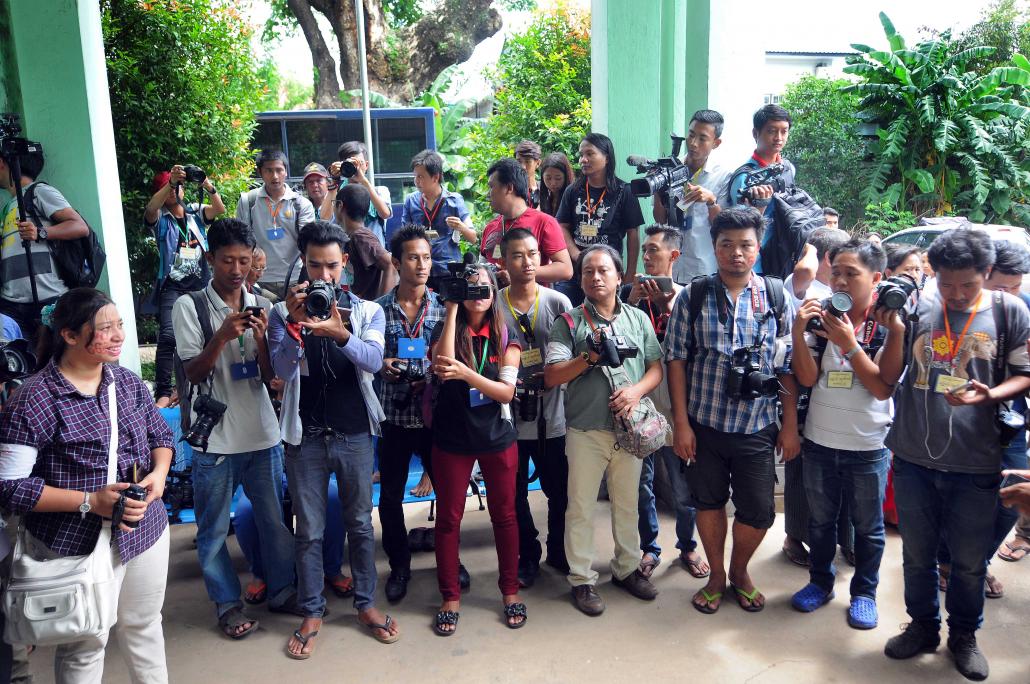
{"x": 728, "y": 318}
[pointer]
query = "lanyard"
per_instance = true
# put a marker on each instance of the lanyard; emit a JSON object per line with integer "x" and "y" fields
{"x": 952, "y": 348}
{"x": 274, "y": 212}
{"x": 728, "y": 318}
{"x": 515, "y": 315}
{"x": 243, "y": 354}
{"x": 662, "y": 320}
{"x": 591, "y": 208}
{"x": 486, "y": 352}
{"x": 412, "y": 334}
{"x": 436, "y": 209}
{"x": 590, "y": 320}
{"x": 867, "y": 336}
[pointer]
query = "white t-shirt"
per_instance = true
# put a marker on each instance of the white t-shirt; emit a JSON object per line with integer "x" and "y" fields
{"x": 816, "y": 290}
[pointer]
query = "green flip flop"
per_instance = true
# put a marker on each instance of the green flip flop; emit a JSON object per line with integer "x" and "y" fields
{"x": 750, "y": 596}
{"x": 707, "y": 609}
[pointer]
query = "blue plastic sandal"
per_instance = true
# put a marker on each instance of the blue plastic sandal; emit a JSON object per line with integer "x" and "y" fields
{"x": 862, "y": 613}
{"x": 810, "y": 598}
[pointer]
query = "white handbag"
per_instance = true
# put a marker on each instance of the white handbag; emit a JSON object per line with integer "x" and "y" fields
{"x": 63, "y": 599}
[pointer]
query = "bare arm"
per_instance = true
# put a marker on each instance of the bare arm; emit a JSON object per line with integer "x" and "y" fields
{"x": 558, "y": 270}
{"x": 632, "y": 252}
{"x": 570, "y": 242}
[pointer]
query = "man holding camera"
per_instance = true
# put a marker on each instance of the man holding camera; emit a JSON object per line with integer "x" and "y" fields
{"x": 229, "y": 369}
{"x": 968, "y": 353}
{"x": 771, "y": 131}
{"x": 728, "y": 351}
{"x": 654, "y": 293}
{"x": 56, "y": 221}
{"x": 703, "y": 198}
{"x": 508, "y": 193}
{"x": 326, "y": 345}
{"x": 848, "y": 350}
{"x": 530, "y": 310}
{"x": 602, "y": 330}
{"x": 350, "y": 170}
{"x": 412, "y": 312}
{"x": 275, "y": 212}
{"x": 180, "y": 231}
{"x": 370, "y": 264}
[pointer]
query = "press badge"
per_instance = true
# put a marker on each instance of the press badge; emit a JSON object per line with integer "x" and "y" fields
{"x": 411, "y": 348}
{"x": 432, "y": 234}
{"x": 497, "y": 251}
{"x": 244, "y": 371}
{"x": 275, "y": 233}
{"x": 532, "y": 357}
{"x": 189, "y": 253}
{"x": 945, "y": 383}
{"x": 840, "y": 379}
{"x": 477, "y": 398}
{"x": 587, "y": 230}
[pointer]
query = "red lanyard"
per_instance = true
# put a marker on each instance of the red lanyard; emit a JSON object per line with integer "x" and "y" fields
{"x": 591, "y": 208}
{"x": 418, "y": 323}
{"x": 436, "y": 209}
{"x": 952, "y": 348}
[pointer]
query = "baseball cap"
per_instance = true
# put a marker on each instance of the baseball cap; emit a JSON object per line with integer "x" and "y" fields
{"x": 315, "y": 169}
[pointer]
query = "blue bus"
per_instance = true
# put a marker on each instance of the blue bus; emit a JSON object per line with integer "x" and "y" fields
{"x": 315, "y": 135}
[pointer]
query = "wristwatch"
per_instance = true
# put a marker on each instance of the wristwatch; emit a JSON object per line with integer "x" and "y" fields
{"x": 851, "y": 352}
{"x": 586, "y": 357}
{"x": 212, "y": 192}
{"x": 84, "y": 507}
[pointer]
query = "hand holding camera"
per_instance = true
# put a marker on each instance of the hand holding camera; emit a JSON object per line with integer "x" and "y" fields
{"x": 611, "y": 350}
{"x": 103, "y": 501}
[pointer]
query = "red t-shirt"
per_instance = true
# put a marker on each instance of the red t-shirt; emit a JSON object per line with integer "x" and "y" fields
{"x": 543, "y": 227}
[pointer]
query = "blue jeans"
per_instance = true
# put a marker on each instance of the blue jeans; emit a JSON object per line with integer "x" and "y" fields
{"x": 215, "y": 479}
{"x": 332, "y": 547}
{"x": 351, "y": 458}
{"x": 856, "y": 479}
{"x": 647, "y": 511}
{"x": 961, "y": 507}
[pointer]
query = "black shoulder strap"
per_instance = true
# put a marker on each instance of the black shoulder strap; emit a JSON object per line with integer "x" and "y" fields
{"x": 777, "y": 300}
{"x": 697, "y": 295}
{"x": 203, "y": 317}
{"x": 296, "y": 213}
{"x": 1001, "y": 327}
{"x": 29, "y": 197}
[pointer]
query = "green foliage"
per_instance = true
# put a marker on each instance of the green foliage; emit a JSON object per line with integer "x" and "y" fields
{"x": 183, "y": 90}
{"x": 824, "y": 142}
{"x": 281, "y": 92}
{"x": 401, "y": 13}
{"x": 950, "y": 139}
{"x": 885, "y": 219}
{"x": 1003, "y": 25}
{"x": 542, "y": 83}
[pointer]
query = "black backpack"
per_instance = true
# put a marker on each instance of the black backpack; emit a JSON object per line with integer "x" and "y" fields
{"x": 699, "y": 287}
{"x": 79, "y": 262}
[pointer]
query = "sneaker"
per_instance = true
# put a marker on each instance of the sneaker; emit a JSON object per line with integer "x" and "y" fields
{"x": 810, "y": 598}
{"x": 587, "y": 599}
{"x": 397, "y": 585}
{"x": 918, "y": 637}
{"x": 969, "y": 659}
{"x": 464, "y": 578}
{"x": 862, "y": 614}
{"x": 637, "y": 585}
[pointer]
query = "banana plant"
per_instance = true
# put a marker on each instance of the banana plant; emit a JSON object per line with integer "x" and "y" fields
{"x": 949, "y": 140}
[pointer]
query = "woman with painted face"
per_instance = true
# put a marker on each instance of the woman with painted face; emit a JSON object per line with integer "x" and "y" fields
{"x": 476, "y": 362}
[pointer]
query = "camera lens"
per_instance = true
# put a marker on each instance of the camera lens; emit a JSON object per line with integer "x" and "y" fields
{"x": 839, "y": 304}
{"x": 348, "y": 169}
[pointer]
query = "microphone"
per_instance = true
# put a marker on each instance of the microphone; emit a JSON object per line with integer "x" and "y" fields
{"x": 638, "y": 160}
{"x": 468, "y": 258}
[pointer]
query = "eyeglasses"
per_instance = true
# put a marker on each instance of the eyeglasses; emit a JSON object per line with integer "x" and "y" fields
{"x": 255, "y": 269}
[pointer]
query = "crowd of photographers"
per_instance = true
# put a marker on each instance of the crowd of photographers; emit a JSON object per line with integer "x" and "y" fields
{"x": 307, "y": 352}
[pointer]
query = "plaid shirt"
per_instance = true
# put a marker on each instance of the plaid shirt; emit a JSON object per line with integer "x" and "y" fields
{"x": 71, "y": 433}
{"x": 708, "y": 403}
{"x": 401, "y": 406}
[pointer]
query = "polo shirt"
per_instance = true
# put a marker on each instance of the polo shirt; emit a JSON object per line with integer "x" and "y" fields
{"x": 287, "y": 215}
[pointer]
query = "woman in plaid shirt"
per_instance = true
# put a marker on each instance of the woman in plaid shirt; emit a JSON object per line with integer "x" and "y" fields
{"x": 55, "y": 437}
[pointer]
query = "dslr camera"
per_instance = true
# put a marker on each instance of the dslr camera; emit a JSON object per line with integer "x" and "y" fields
{"x": 667, "y": 174}
{"x": 455, "y": 287}
{"x": 838, "y": 304}
{"x": 194, "y": 174}
{"x": 894, "y": 292}
{"x": 209, "y": 412}
{"x": 410, "y": 370}
{"x": 16, "y": 360}
{"x": 528, "y": 393}
{"x": 320, "y": 297}
{"x": 348, "y": 169}
{"x": 613, "y": 349}
{"x": 746, "y": 381}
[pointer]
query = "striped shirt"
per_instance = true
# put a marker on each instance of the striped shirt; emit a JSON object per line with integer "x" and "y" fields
{"x": 708, "y": 402}
{"x": 52, "y": 434}
{"x": 402, "y": 406}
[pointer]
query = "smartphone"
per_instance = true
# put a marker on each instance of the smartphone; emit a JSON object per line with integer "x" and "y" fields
{"x": 663, "y": 282}
{"x": 1012, "y": 479}
{"x": 254, "y": 311}
{"x": 961, "y": 388}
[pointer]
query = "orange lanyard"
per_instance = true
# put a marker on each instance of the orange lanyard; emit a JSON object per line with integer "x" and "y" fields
{"x": 952, "y": 348}
{"x": 591, "y": 208}
{"x": 274, "y": 213}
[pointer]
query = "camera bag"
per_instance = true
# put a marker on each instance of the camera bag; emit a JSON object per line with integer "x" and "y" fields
{"x": 79, "y": 262}
{"x": 1009, "y": 422}
{"x": 49, "y": 601}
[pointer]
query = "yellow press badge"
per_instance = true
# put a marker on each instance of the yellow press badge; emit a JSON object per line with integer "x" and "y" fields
{"x": 946, "y": 383}
{"x": 840, "y": 379}
{"x": 532, "y": 357}
{"x": 587, "y": 230}
{"x": 189, "y": 253}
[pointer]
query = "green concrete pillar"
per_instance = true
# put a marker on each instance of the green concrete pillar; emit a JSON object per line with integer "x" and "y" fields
{"x": 59, "y": 52}
{"x": 10, "y": 95}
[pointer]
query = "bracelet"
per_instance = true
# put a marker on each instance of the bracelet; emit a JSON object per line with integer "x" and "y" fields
{"x": 851, "y": 352}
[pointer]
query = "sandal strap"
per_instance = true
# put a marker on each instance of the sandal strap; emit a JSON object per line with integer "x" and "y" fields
{"x": 447, "y": 617}
{"x": 515, "y": 610}
{"x": 234, "y": 617}
{"x": 303, "y": 639}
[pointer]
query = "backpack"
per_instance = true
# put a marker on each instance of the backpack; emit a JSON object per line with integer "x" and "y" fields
{"x": 182, "y": 385}
{"x": 79, "y": 262}
{"x": 699, "y": 293}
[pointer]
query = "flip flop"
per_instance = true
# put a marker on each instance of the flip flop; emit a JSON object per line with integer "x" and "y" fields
{"x": 750, "y": 597}
{"x": 647, "y": 567}
{"x": 694, "y": 567}
{"x": 303, "y": 639}
{"x": 389, "y": 638}
{"x": 234, "y": 618}
{"x": 797, "y": 558}
{"x": 993, "y": 588}
{"x": 515, "y": 610}
{"x": 341, "y": 585}
{"x": 1014, "y": 551}
{"x": 707, "y": 609}
{"x": 256, "y": 592}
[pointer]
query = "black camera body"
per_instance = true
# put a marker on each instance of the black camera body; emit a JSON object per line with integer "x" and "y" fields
{"x": 528, "y": 393}
{"x": 455, "y": 287}
{"x": 194, "y": 174}
{"x": 894, "y": 292}
{"x": 209, "y": 411}
{"x": 320, "y": 297}
{"x": 767, "y": 175}
{"x": 136, "y": 493}
{"x": 410, "y": 370}
{"x": 612, "y": 349}
{"x": 16, "y": 360}
{"x": 837, "y": 304}
{"x": 746, "y": 381}
{"x": 666, "y": 174}
{"x": 348, "y": 169}
{"x": 12, "y": 145}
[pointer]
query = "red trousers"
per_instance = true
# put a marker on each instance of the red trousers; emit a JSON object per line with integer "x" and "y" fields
{"x": 451, "y": 473}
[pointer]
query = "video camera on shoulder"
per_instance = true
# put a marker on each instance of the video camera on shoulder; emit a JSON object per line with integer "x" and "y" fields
{"x": 12, "y": 145}
{"x": 767, "y": 175}
{"x": 746, "y": 381}
{"x": 613, "y": 349}
{"x": 455, "y": 287}
{"x": 667, "y": 174}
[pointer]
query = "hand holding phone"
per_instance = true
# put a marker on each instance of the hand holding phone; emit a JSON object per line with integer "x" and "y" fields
{"x": 1013, "y": 479}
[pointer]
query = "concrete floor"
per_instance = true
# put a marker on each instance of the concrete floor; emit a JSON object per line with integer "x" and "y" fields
{"x": 661, "y": 641}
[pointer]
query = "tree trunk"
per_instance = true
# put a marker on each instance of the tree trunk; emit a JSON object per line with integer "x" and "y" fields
{"x": 327, "y": 86}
